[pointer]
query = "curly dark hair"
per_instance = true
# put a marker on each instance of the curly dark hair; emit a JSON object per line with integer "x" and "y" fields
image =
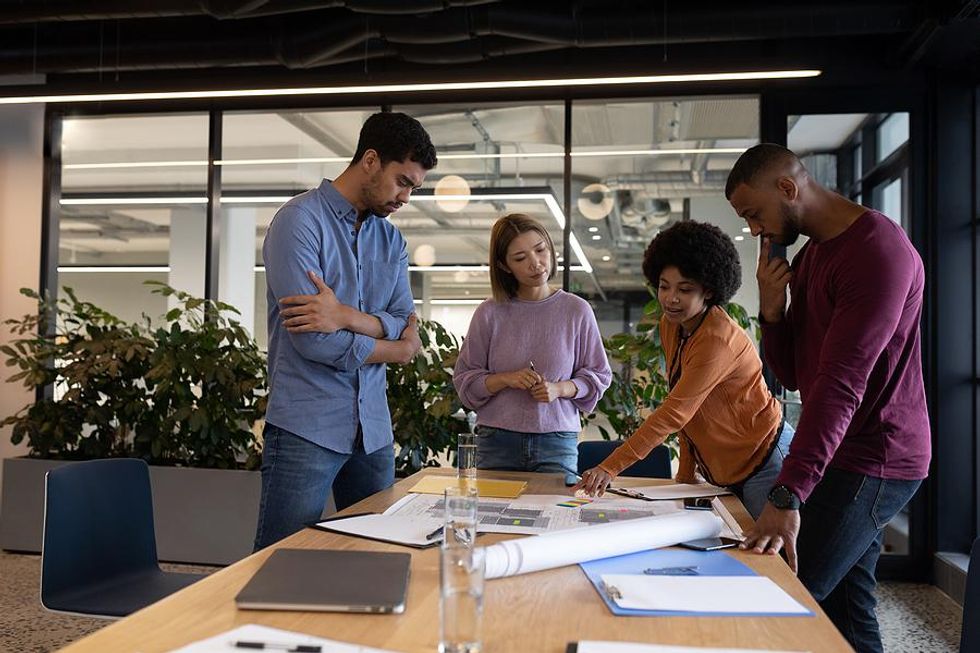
{"x": 702, "y": 252}
{"x": 396, "y": 137}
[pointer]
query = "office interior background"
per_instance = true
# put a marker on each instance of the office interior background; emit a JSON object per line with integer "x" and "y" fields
{"x": 102, "y": 194}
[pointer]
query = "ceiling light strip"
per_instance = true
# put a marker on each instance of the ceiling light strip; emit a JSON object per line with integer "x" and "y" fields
{"x": 442, "y": 157}
{"x": 415, "y": 88}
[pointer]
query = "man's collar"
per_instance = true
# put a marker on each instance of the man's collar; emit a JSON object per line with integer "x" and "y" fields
{"x": 341, "y": 205}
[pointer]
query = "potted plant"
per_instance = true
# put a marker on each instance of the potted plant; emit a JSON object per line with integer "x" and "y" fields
{"x": 639, "y": 382}
{"x": 184, "y": 396}
{"x": 423, "y": 401}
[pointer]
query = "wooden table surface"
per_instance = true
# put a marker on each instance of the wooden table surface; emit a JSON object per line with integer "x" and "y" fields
{"x": 539, "y": 612}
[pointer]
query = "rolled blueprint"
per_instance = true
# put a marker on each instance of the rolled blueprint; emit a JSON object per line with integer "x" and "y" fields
{"x": 570, "y": 547}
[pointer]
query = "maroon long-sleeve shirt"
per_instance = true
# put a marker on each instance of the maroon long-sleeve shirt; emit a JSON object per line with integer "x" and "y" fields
{"x": 850, "y": 344}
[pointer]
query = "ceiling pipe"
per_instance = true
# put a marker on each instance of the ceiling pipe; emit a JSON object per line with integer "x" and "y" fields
{"x": 456, "y": 35}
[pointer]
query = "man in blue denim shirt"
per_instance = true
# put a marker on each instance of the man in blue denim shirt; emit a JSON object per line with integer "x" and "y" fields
{"x": 327, "y": 423}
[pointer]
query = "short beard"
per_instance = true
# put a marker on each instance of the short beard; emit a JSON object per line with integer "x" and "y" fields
{"x": 791, "y": 228}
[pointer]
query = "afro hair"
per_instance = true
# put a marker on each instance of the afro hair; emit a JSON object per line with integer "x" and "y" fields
{"x": 702, "y": 252}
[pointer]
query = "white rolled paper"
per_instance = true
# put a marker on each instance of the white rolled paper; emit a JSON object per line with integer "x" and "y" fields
{"x": 570, "y": 547}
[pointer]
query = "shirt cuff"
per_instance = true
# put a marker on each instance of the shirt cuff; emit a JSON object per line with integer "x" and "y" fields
{"x": 391, "y": 325}
{"x": 581, "y": 388}
{"x": 359, "y": 351}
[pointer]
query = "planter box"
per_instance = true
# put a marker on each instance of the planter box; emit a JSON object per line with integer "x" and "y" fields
{"x": 201, "y": 516}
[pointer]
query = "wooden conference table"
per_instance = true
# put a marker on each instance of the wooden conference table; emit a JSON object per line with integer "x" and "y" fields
{"x": 539, "y": 612}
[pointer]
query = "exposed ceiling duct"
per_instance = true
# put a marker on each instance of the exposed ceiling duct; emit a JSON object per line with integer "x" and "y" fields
{"x": 119, "y": 36}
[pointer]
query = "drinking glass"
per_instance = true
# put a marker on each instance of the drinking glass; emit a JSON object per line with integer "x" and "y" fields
{"x": 466, "y": 455}
{"x": 461, "y": 578}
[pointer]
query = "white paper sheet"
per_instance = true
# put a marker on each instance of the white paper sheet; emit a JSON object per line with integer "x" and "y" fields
{"x": 680, "y": 491}
{"x": 403, "y": 529}
{"x": 571, "y": 547}
{"x": 225, "y": 642}
{"x": 535, "y": 514}
{"x": 702, "y": 594}
{"x": 631, "y": 647}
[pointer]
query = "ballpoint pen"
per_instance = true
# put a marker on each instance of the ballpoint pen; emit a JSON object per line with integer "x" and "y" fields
{"x": 689, "y": 570}
{"x": 434, "y": 534}
{"x": 271, "y": 646}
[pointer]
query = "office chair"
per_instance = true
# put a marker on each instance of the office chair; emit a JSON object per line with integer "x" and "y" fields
{"x": 970, "y": 635}
{"x": 99, "y": 552}
{"x": 655, "y": 465}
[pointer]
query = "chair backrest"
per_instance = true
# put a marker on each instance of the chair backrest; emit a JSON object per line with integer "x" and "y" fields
{"x": 970, "y": 635}
{"x": 98, "y": 523}
{"x": 655, "y": 465}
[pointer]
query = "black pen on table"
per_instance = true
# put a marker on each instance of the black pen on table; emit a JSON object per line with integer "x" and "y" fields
{"x": 434, "y": 534}
{"x": 271, "y": 646}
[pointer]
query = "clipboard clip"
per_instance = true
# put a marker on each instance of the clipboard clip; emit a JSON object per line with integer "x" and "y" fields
{"x": 612, "y": 592}
{"x": 629, "y": 494}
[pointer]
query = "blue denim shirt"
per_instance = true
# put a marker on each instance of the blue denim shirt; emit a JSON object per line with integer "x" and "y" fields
{"x": 321, "y": 387}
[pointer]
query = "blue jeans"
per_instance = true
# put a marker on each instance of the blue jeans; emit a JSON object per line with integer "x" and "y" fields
{"x": 754, "y": 492}
{"x": 297, "y": 477}
{"x": 513, "y": 451}
{"x": 838, "y": 547}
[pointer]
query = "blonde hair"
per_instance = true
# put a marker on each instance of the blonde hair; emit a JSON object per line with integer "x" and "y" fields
{"x": 503, "y": 284}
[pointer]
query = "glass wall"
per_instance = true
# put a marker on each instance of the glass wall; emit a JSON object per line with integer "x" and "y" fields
{"x": 132, "y": 208}
{"x": 639, "y": 166}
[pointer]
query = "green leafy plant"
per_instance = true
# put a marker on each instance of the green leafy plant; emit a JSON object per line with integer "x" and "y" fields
{"x": 206, "y": 386}
{"x": 182, "y": 394}
{"x": 423, "y": 401}
{"x": 639, "y": 382}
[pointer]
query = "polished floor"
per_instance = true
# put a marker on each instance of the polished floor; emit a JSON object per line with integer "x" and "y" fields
{"x": 914, "y": 618}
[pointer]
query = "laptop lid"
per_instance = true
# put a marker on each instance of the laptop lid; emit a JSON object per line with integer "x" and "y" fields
{"x": 329, "y": 580}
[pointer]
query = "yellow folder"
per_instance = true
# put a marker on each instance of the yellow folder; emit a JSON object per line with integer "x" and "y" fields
{"x": 485, "y": 487}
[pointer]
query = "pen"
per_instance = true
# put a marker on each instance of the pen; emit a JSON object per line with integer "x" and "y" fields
{"x": 434, "y": 534}
{"x": 530, "y": 364}
{"x": 270, "y": 646}
{"x": 690, "y": 570}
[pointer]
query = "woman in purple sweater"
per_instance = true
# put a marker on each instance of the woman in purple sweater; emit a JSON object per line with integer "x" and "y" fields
{"x": 532, "y": 359}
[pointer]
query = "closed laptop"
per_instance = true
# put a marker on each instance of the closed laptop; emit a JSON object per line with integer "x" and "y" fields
{"x": 329, "y": 580}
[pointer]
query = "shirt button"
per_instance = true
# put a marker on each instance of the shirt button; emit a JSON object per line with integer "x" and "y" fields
{"x": 353, "y": 233}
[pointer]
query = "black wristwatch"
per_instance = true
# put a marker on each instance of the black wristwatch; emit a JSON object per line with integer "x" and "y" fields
{"x": 784, "y": 498}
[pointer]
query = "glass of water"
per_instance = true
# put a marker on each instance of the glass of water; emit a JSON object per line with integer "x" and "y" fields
{"x": 461, "y": 578}
{"x": 459, "y": 526}
{"x": 466, "y": 455}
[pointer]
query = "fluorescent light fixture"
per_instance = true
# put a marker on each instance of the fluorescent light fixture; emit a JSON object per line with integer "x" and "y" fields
{"x": 133, "y": 164}
{"x": 442, "y": 157}
{"x": 452, "y": 302}
{"x": 415, "y": 88}
{"x": 740, "y": 238}
{"x": 659, "y": 152}
{"x": 606, "y": 258}
{"x": 593, "y": 229}
{"x": 746, "y": 230}
{"x": 596, "y": 237}
{"x": 113, "y": 268}
{"x": 130, "y": 201}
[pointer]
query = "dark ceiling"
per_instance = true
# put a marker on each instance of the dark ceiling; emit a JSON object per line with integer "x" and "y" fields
{"x": 108, "y": 44}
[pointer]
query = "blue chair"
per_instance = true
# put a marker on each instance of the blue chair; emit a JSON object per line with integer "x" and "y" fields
{"x": 970, "y": 635}
{"x": 655, "y": 465}
{"x": 99, "y": 551}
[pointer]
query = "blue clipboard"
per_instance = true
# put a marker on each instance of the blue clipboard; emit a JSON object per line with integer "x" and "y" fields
{"x": 668, "y": 562}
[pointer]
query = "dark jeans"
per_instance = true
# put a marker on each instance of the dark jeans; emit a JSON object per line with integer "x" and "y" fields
{"x": 297, "y": 477}
{"x": 515, "y": 451}
{"x": 839, "y": 544}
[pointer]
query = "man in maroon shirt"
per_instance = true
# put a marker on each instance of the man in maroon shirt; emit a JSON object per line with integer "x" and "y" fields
{"x": 849, "y": 341}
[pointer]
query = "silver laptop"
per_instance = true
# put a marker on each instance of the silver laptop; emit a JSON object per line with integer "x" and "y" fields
{"x": 329, "y": 580}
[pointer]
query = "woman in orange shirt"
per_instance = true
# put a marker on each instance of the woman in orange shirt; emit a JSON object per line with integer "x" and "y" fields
{"x": 730, "y": 427}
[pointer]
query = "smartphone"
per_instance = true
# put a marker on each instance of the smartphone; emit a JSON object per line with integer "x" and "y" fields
{"x": 710, "y": 544}
{"x": 697, "y": 503}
